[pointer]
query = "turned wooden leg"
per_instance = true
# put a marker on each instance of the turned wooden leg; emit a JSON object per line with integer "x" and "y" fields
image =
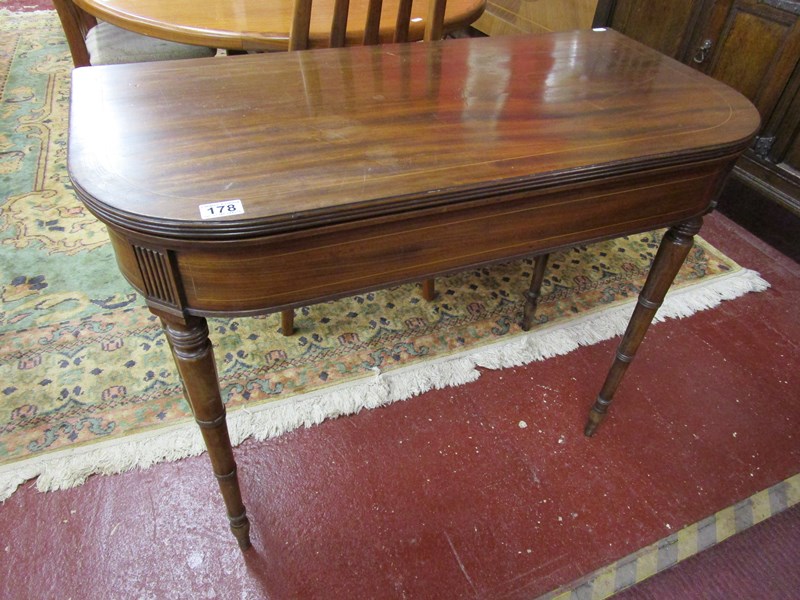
{"x": 429, "y": 289}
{"x": 195, "y": 360}
{"x": 670, "y": 256}
{"x": 287, "y": 321}
{"x": 535, "y": 291}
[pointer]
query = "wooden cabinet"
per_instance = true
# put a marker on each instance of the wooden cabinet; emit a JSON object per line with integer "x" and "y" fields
{"x": 752, "y": 45}
{"x": 666, "y": 25}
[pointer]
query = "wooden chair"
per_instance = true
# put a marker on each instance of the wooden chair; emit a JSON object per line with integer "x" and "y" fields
{"x": 98, "y": 43}
{"x": 298, "y": 36}
{"x": 299, "y": 40}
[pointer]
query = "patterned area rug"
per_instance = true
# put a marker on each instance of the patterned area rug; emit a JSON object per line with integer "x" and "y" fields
{"x": 87, "y": 384}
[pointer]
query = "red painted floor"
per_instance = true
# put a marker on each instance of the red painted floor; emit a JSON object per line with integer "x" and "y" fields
{"x": 445, "y": 495}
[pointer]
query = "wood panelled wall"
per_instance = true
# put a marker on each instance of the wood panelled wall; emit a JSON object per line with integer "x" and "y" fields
{"x": 503, "y": 17}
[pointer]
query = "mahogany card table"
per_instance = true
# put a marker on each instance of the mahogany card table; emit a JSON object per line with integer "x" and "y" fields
{"x": 251, "y": 184}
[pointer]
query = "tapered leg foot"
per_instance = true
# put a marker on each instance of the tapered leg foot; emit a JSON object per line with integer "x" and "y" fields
{"x": 240, "y": 527}
{"x": 596, "y": 416}
{"x": 670, "y": 256}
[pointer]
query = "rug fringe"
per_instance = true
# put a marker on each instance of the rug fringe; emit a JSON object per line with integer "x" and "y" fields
{"x": 68, "y": 469}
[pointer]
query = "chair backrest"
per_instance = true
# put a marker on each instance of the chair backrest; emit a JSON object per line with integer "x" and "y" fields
{"x": 76, "y": 24}
{"x": 298, "y": 37}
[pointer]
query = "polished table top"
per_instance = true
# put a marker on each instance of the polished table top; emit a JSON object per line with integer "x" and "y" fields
{"x": 259, "y": 24}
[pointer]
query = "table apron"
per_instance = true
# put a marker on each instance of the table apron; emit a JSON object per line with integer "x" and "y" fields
{"x": 269, "y": 273}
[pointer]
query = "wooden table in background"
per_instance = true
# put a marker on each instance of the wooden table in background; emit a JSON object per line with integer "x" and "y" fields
{"x": 260, "y": 24}
{"x": 360, "y": 168}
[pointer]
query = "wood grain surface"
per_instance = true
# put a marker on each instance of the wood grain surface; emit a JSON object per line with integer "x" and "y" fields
{"x": 358, "y": 129}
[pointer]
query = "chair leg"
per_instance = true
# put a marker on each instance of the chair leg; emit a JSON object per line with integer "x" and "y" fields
{"x": 535, "y": 291}
{"x": 429, "y": 289}
{"x": 287, "y": 321}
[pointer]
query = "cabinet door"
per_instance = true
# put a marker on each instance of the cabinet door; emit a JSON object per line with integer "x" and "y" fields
{"x": 754, "y": 50}
{"x": 665, "y": 25}
{"x": 784, "y": 178}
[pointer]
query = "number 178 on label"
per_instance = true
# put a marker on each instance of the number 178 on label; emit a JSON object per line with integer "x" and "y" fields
{"x": 216, "y": 210}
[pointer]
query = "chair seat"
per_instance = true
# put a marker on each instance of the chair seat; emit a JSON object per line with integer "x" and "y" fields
{"x": 111, "y": 45}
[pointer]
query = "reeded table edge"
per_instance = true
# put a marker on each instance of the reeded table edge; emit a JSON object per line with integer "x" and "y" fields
{"x": 238, "y": 229}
